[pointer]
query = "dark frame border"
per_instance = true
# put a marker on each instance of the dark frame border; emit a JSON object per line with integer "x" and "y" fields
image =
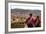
{"x": 6, "y": 16}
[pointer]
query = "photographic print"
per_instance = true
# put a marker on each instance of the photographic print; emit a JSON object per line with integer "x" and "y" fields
{"x": 21, "y": 18}
{"x": 25, "y": 17}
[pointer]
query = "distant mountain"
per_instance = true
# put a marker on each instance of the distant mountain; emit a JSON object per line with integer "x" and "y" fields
{"x": 23, "y": 12}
